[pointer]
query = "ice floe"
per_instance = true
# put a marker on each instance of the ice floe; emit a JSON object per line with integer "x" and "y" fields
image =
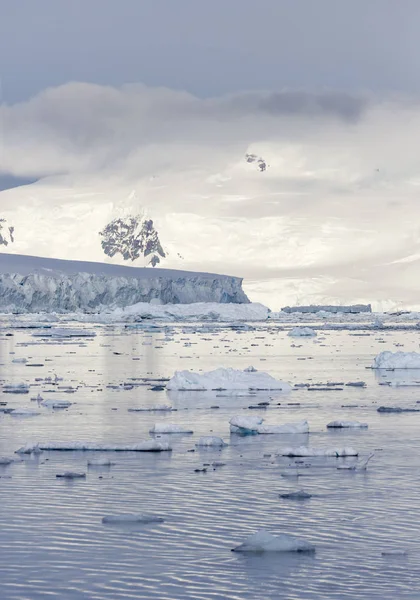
{"x": 18, "y": 388}
{"x": 169, "y": 428}
{"x": 147, "y": 446}
{"x": 23, "y": 412}
{"x": 157, "y": 408}
{"x": 262, "y": 541}
{"x": 56, "y": 403}
{"x": 305, "y": 451}
{"x": 71, "y": 475}
{"x": 225, "y": 379}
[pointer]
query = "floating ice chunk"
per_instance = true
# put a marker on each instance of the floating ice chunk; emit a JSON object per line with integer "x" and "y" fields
{"x": 347, "y": 425}
{"x": 299, "y": 495}
{"x": 305, "y": 451}
{"x": 147, "y": 446}
{"x": 169, "y": 428}
{"x": 19, "y": 388}
{"x": 254, "y": 425}
{"x": 5, "y": 460}
{"x": 213, "y": 441}
{"x": 225, "y": 379}
{"x": 157, "y": 408}
{"x": 56, "y": 403}
{"x": 302, "y": 332}
{"x": 100, "y": 462}
{"x": 24, "y": 412}
{"x": 250, "y": 369}
{"x": 71, "y": 475}
{"x": 397, "y": 360}
{"x": 126, "y": 518}
{"x": 19, "y": 360}
{"x": 262, "y": 541}
{"x": 394, "y": 553}
{"x": 29, "y": 449}
{"x": 245, "y": 425}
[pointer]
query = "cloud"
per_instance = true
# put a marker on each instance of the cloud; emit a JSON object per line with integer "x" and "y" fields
{"x": 329, "y": 137}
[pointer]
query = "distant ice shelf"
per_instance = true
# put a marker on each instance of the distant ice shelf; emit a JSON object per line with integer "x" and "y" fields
{"x": 32, "y": 284}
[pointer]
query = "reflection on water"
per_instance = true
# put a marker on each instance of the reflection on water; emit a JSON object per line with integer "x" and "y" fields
{"x": 55, "y": 545}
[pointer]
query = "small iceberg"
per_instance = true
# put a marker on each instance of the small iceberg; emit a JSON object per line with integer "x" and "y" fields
{"x": 211, "y": 441}
{"x": 225, "y": 379}
{"x": 302, "y": 332}
{"x": 304, "y": 451}
{"x": 251, "y": 425}
{"x": 29, "y": 449}
{"x": 347, "y": 425}
{"x": 71, "y": 475}
{"x": 127, "y": 518}
{"x": 397, "y": 360}
{"x": 262, "y": 541}
{"x": 19, "y": 388}
{"x": 19, "y": 360}
{"x": 56, "y": 403}
{"x": 165, "y": 428}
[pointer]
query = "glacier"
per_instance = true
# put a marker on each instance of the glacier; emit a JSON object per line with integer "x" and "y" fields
{"x": 33, "y": 284}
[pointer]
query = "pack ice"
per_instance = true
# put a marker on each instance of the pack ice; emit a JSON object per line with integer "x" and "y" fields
{"x": 397, "y": 360}
{"x": 225, "y": 379}
{"x": 303, "y": 451}
{"x": 262, "y": 541}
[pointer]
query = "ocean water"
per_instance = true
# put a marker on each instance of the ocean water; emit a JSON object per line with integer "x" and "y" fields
{"x": 53, "y": 542}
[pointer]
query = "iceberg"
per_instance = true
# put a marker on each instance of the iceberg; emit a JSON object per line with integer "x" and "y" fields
{"x": 169, "y": 428}
{"x": 397, "y": 360}
{"x": 19, "y": 388}
{"x": 225, "y": 379}
{"x": 347, "y": 425}
{"x": 262, "y": 541}
{"x": 29, "y": 449}
{"x": 303, "y": 451}
{"x": 211, "y": 441}
{"x": 302, "y": 332}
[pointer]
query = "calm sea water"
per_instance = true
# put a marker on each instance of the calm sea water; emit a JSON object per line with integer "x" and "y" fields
{"x": 54, "y": 545}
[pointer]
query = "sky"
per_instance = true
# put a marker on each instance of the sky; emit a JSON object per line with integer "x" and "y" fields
{"x": 210, "y": 48}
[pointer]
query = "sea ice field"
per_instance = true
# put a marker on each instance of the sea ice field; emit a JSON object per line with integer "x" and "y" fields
{"x": 123, "y": 489}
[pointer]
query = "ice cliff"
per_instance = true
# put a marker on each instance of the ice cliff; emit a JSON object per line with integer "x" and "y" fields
{"x": 33, "y": 284}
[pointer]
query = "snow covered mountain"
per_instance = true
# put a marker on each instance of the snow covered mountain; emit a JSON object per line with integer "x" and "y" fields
{"x": 302, "y": 195}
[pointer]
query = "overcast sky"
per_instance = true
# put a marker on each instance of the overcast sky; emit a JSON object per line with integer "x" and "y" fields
{"x": 210, "y": 47}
